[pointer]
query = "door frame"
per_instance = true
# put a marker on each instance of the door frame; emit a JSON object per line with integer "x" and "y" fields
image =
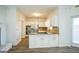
{"x": 72, "y": 28}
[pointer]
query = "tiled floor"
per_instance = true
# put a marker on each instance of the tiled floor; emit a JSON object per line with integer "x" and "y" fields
{"x": 45, "y": 50}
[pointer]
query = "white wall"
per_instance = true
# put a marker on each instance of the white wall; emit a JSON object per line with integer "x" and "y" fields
{"x": 11, "y": 23}
{"x": 75, "y": 39}
{"x": 2, "y": 14}
{"x": 65, "y": 15}
{"x": 75, "y": 11}
{"x": 2, "y": 34}
{"x": 2, "y": 25}
{"x": 62, "y": 18}
{"x": 65, "y": 25}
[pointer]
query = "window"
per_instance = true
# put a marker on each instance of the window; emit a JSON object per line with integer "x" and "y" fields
{"x": 75, "y": 30}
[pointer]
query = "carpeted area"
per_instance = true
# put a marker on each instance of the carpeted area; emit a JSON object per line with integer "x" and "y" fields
{"x": 44, "y": 50}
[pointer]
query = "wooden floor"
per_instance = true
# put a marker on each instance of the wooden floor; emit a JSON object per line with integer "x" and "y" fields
{"x": 45, "y": 50}
{"x": 24, "y": 42}
{"x": 22, "y": 47}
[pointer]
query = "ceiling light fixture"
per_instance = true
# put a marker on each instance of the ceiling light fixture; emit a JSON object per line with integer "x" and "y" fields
{"x": 36, "y": 14}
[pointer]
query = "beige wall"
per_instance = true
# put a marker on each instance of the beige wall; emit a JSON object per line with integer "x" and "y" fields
{"x": 21, "y": 18}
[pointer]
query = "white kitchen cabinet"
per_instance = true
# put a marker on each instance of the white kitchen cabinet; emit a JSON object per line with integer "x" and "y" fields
{"x": 41, "y": 41}
{"x": 54, "y": 42}
{"x": 54, "y": 21}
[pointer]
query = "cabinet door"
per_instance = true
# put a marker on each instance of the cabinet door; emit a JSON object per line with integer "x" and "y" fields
{"x": 53, "y": 41}
{"x": 48, "y": 41}
{"x": 38, "y": 41}
{"x": 54, "y": 21}
{"x": 34, "y": 41}
{"x": 43, "y": 41}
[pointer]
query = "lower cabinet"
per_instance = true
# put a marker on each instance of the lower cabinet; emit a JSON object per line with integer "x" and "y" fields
{"x": 41, "y": 41}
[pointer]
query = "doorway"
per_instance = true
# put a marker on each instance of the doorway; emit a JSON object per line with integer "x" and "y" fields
{"x": 75, "y": 31}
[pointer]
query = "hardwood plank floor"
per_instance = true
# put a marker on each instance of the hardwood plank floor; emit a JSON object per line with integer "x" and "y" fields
{"x": 24, "y": 42}
{"x": 22, "y": 47}
{"x": 45, "y": 50}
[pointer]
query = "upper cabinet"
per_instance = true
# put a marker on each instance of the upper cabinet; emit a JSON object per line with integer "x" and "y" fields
{"x": 52, "y": 21}
{"x": 42, "y": 24}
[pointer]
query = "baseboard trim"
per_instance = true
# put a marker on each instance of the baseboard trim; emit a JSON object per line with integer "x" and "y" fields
{"x": 16, "y": 43}
{"x": 75, "y": 44}
{"x": 6, "y": 47}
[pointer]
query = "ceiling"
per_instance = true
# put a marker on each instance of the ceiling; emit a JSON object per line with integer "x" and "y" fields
{"x": 28, "y": 10}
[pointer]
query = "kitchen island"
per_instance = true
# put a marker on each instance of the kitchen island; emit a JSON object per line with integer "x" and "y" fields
{"x": 43, "y": 40}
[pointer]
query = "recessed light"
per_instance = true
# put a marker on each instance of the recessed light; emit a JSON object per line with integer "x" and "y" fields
{"x": 36, "y": 14}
